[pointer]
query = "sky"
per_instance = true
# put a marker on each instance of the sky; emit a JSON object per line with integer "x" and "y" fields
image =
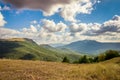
{"x": 60, "y": 21}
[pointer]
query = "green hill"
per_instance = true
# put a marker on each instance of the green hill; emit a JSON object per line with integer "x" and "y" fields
{"x": 23, "y": 48}
{"x": 41, "y": 70}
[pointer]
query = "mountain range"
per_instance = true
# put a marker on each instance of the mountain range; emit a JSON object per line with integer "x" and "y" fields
{"x": 91, "y": 46}
{"x": 24, "y": 48}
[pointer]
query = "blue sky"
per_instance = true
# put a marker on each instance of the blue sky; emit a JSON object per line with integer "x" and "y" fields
{"x": 103, "y": 11}
{"x": 20, "y": 18}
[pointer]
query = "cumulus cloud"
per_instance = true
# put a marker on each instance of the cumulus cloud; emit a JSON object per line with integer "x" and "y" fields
{"x": 34, "y": 22}
{"x": 51, "y": 26}
{"x": 94, "y": 29}
{"x": 32, "y": 29}
{"x": 81, "y": 31}
{"x": 89, "y": 29}
{"x": 8, "y": 33}
{"x": 51, "y": 32}
{"x": 112, "y": 25}
{"x": 4, "y": 8}
{"x": 48, "y": 6}
{"x": 74, "y": 27}
{"x": 2, "y": 21}
{"x": 68, "y": 9}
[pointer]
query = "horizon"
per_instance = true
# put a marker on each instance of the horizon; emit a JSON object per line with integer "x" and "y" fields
{"x": 58, "y": 44}
{"x": 56, "y": 22}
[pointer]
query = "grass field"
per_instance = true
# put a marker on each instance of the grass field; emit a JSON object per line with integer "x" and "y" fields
{"x": 40, "y": 70}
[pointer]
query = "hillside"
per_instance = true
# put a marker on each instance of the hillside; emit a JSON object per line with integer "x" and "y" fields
{"x": 23, "y": 48}
{"x": 91, "y": 46}
{"x": 40, "y": 70}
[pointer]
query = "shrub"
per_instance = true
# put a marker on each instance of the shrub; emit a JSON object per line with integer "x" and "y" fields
{"x": 75, "y": 62}
{"x": 111, "y": 54}
{"x": 84, "y": 59}
{"x": 101, "y": 57}
{"x": 95, "y": 59}
{"x": 91, "y": 60}
{"x": 29, "y": 56}
{"x": 65, "y": 59}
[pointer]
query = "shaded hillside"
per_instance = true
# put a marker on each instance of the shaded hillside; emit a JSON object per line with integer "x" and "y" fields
{"x": 91, "y": 47}
{"x": 23, "y": 48}
{"x": 40, "y": 70}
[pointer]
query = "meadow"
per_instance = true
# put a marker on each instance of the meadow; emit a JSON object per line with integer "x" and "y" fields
{"x": 42, "y": 70}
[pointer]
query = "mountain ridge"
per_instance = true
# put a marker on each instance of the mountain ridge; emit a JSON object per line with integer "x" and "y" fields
{"x": 24, "y": 48}
{"x": 92, "y": 46}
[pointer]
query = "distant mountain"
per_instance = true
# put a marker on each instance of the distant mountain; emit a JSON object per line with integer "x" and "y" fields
{"x": 57, "y": 45}
{"x": 91, "y": 46}
{"x": 23, "y": 48}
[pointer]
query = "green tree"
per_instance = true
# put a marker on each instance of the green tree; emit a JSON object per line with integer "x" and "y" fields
{"x": 95, "y": 59}
{"x": 91, "y": 60}
{"x": 111, "y": 54}
{"x": 65, "y": 59}
{"x": 83, "y": 59}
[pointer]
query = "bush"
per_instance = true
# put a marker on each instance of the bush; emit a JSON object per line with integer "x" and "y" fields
{"x": 65, "y": 59}
{"x": 101, "y": 57}
{"x": 84, "y": 59}
{"x": 95, "y": 59}
{"x": 91, "y": 60}
{"x": 75, "y": 62}
{"x": 29, "y": 56}
{"x": 111, "y": 54}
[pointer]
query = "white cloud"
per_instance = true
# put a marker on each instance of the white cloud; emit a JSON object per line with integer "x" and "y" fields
{"x": 48, "y": 6}
{"x": 94, "y": 29}
{"x": 2, "y": 21}
{"x": 34, "y": 22}
{"x": 112, "y": 25}
{"x": 51, "y": 26}
{"x": 67, "y": 8}
{"x": 77, "y": 27}
{"x": 8, "y": 33}
{"x": 70, "y": 11}
{"x": 4, "y": 8}
{"x": 32, "y": 29}
{"x": 51, "y": 32}
{"x": 109, "y": 31}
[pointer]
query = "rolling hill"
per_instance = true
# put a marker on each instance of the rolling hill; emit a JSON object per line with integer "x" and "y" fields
{"x": 23, "y": 48}
{"x": 41, "y": 70}
{"x": 91, "y": 46}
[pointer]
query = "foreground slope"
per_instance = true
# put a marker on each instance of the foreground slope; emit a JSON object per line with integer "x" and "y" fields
{"x": 23, "y": 48}
{"x": 40, "y": 70}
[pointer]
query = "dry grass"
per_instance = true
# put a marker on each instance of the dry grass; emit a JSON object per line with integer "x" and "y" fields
{"x": 40, "y": 70}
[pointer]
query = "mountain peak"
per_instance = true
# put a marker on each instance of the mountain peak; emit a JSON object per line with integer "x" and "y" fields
{"x": 89, "y": 40}
{"x": 86, "y": 41}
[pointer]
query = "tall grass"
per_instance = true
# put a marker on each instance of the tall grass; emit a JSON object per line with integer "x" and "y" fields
{"x": 40, "y": 70}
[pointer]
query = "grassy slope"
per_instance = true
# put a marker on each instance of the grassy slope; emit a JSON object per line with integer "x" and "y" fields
{"x": 18, "y": 48}
{"x": 40, "y": 70}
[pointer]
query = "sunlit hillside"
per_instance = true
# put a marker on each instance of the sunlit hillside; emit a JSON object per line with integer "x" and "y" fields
{"x": 24, "y": 48}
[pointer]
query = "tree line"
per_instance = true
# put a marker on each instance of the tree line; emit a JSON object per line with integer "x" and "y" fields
{"x": 109, "y": 54}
